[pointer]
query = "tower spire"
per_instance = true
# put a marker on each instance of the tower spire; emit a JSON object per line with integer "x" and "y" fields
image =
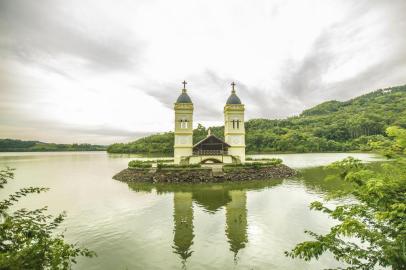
{"x": 184, "y": 86}
{"x": 233, "y": 89}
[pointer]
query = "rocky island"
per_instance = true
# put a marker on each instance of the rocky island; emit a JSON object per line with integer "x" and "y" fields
{"x": 157, "y": 172}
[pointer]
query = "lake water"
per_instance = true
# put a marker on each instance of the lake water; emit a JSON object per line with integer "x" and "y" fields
{"x": 216, "y": 226}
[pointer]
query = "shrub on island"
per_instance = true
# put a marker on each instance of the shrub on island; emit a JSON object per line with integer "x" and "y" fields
{"x": 270, "y": 160}
{"x": 163, "y": 160}
{"x": 139, "y": 164}
{"x": 268, "y": 163}
{"x": 176, "y": 166}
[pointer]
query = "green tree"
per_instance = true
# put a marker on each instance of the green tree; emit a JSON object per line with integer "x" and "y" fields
{"x": 28, "y": 238}
{"x": 400, "y": 138}
{"x": 371, "y": 229}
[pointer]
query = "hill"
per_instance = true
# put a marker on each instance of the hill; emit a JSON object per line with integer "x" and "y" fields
{"x": 329, "y": 126}
{"x": 9, "y": 145}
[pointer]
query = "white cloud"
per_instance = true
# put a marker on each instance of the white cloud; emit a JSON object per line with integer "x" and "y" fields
{"x": 107, "y": 71}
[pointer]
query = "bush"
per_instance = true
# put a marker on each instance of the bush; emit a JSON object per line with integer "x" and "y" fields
{"x": 269, "y": 161}
{"x": 163, "y": 160}
{"x": 140, "y": 164}
{"x": 186, "y": 166}
{"x": 29, "y": 239}
{"x": 256, "y": 164}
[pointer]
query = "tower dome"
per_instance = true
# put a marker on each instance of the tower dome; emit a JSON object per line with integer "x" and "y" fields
{"x": 233, "y": 98}
{"x": 184, "y": 97}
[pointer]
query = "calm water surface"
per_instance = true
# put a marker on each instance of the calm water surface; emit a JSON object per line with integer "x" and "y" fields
{"x": 221, "y": 226}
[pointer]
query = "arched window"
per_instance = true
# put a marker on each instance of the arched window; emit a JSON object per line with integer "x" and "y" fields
{"x": 183, "y": 123}
{"x": 236, "y": 123}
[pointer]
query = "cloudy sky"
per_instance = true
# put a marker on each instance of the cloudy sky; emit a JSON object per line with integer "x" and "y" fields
{"x": 108, "y": 71}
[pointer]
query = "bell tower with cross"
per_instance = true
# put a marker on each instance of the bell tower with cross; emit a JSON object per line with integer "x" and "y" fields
{"x": 183, "y": 145}
{"x": 234, "y": 130}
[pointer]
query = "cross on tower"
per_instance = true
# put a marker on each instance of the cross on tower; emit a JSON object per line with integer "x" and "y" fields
{"x": 233, "y": 84}
{"x": 184, "y": 84}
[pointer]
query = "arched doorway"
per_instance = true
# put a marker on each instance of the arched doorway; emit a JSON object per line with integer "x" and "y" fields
{"x": 211, "y": 160}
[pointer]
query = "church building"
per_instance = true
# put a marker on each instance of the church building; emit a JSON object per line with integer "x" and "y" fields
{"x": 211, "y": 149}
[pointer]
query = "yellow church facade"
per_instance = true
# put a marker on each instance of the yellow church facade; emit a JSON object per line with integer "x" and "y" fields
{"x": 211, "y": 149}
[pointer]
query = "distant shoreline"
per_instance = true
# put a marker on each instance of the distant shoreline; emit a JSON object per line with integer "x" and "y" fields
{"x": 13, "y": 145}
{"x": 48, "y": 151}
{"x": 171, "y": 155}
{"x": 248, "y": 153}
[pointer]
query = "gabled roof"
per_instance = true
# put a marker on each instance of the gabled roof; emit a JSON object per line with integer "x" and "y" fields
{"x": 211, "y": 139}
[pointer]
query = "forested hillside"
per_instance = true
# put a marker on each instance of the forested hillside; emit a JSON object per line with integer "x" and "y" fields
{"x": 329, "y": 126}
{"x": 9, "y": 145}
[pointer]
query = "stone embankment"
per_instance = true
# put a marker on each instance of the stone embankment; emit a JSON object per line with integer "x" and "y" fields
{"x": 201, "y": 175}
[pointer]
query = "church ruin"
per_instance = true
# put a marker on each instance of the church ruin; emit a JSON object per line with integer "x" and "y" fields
{"x": 211, "y": 149}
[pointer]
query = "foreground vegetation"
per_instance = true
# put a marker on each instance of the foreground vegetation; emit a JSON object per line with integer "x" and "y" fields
{"x": 354, "y": 125}
{"x": 29, "y": 238}
{"x": 371, "y": 227}
{"x": 9, "y": 145}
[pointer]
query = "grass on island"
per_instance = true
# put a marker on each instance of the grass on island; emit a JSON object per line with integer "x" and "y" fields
{"x": 163, "y": 164}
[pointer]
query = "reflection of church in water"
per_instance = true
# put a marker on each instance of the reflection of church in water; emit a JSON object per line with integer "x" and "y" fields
{"x": 236, "y": 217}
{"x": 210, "y": 197}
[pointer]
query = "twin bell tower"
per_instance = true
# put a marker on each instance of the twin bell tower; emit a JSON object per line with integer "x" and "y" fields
{"x": 211, "y": 149}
